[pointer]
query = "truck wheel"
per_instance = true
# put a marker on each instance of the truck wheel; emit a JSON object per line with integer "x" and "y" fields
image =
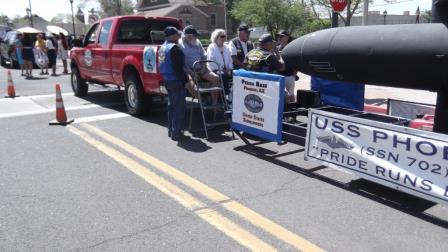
{"x": 137, "y": 102}
{"x": 79, "y": 86}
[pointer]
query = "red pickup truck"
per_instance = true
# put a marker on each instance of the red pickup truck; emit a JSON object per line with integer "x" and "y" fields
{"x": 122, "y": 51}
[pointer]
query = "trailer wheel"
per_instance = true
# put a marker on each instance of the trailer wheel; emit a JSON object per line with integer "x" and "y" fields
{"x": 79, "y": 86}
{"x": 137, "y": 102}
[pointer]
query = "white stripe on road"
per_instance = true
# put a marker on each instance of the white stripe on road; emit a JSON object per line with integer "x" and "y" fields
{"x": 42, "y": 96}
{"x": 54, "y": 95}
{"x": 44, "y": 111}
{"x": 101, "y": 117}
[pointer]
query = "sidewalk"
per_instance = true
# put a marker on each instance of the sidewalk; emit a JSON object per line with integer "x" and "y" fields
{"x": 378, "y": 95}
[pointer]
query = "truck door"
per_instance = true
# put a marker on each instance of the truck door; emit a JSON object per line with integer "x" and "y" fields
{"x": 102, "y": 58}
{"x": 86, "y": 59}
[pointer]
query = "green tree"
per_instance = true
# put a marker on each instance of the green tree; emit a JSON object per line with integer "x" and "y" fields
{"x": 425, "y": 17}
{"x": 60, "y": 17}
{"x": 4, "y": 19}
{"x": 274, "y": 14}
{"x": 323, "y": 8}
{"x": 113, "y": 7}
{"x": 313, "y": 25}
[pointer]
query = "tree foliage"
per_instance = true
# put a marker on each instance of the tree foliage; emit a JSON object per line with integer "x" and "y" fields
{"x": 4, "y": 19}
{"x": 61, "y": 17}
{"x": 113, "y": 7}
{"x": 313, "y": 25}
{"x": 323, "y": 8}
{"x": 274, "y": 14}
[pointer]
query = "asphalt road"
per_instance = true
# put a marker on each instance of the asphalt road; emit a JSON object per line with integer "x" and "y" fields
{"x": 112, "y": 182}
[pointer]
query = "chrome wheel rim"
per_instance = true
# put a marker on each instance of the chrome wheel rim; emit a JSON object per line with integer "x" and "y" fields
{"x": 74, "y": 82}
{"x": 132, "y": 95}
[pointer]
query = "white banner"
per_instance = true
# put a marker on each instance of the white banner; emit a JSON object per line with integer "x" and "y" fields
{"x": 258, "y": 104}
{"x": 410, "y": 160}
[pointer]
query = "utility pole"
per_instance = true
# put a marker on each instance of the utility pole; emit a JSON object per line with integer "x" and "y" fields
{"x": 31, "y": 14}
{"x": 119, "y": 7}
{"x": 73, "y": 19}
{"x": 365, "y": 15}
{"x": 225, "y": 16}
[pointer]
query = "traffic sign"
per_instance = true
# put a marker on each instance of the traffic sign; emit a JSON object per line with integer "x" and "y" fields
{"x": 338, "y": 5}
{"x": 93, "y": 18}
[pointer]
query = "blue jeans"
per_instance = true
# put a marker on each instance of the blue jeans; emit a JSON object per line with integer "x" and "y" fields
{"x": 176, "y": 105}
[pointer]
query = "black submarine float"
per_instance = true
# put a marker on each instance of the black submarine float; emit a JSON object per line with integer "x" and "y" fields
{"x": 407, "y": 56}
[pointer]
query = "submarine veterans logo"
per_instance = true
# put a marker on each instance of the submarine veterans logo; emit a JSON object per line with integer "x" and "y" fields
{"x": 253, "y": 103}
{"x": 335, "y": 142}
{"x": 257, "y": 104}
{"x": 149, "y": 59}
{"x": 88, "y": 58}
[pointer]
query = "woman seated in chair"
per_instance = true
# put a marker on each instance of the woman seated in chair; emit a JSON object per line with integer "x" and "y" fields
{"x": 220, "y": 53}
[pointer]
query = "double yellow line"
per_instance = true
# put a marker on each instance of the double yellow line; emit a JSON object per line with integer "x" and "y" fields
{"x": 199, "y": 208}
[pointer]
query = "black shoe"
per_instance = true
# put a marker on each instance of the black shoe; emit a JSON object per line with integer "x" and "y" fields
{"x": 170, "y": 133}
{"x": 179, "y": 137}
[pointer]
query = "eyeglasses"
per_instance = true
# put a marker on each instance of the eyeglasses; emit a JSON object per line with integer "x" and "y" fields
{"x": 223, "y": 36}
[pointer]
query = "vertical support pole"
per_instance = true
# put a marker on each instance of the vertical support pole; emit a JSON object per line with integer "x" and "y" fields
{"x": 441, "y": 116}
{"x": 334, "y": 19}
{"x": 365, "y": 15}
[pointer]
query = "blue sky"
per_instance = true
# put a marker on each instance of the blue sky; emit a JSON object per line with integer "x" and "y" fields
{"x": 50, "y": 8}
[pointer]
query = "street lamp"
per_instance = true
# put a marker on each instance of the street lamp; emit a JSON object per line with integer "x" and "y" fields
{"x": 225, "y": 15}
{"x": 384, "y": 15}
{"x": 417, "y": 13}
{"x": 28, "y": 15}
{"x": 73, "y": 19}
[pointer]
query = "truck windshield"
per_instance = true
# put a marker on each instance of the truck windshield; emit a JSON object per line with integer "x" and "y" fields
{"x": 142, "y": 31}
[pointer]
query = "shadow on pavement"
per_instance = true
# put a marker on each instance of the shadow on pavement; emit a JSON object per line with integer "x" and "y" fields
{"x": 113, "y": 99}
{"x": 403, "y": 202}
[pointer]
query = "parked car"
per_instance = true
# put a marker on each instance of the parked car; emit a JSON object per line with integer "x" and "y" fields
{"x": 122, "y": 51}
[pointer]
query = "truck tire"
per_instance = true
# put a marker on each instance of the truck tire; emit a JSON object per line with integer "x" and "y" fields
{"x": 79, "y": 86}
{"x": 137, "y": 102}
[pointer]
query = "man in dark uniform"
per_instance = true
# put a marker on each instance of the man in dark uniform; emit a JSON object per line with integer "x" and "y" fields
{"x": 240, "y": 46}
{"x": 171, "y": 65}
{"x": 264, "y": 59}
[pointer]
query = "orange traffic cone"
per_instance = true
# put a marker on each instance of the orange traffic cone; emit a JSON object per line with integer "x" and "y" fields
{"x": 11, "y": 92}
{"x": 61, "y": 116}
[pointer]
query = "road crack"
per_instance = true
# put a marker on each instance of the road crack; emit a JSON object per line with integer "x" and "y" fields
{"x": 131, "y": 235}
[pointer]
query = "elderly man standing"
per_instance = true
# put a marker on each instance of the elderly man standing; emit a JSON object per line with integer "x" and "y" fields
{"x": 240, "y": 46}
{"x": 171, "y": 65}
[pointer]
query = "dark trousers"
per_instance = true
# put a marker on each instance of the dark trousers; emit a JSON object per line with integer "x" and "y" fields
{"x": 176, "y": 105}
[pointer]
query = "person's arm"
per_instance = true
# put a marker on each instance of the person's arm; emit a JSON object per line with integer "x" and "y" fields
{"x": 210, "y": 56}
{"x": 233, "y": 52}
{"x": 274, "y": 63}
{"x": 177, "y": 61}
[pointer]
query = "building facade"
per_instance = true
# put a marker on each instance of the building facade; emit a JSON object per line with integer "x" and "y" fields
{"x": 204, "y": 17}
{"x": 378, "y": 18}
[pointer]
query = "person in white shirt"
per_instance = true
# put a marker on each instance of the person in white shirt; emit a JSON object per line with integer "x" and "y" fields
{"x": 220, "y": 53}
{"x": 240, "y": 46}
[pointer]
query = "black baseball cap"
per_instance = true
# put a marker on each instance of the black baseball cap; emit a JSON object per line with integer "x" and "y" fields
{"x": 191, "y": 30}
{"x": 284, "y": 33}
{"x": 244, "y": 27}
{"x": 265, "y": 38}
{"x": 171, "y": 30}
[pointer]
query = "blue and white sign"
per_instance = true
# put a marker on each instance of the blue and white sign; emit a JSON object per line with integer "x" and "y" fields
{"x": 258, "y": 104}
{"x": 409, "y": 160}
{"x": 149, "y": 59}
